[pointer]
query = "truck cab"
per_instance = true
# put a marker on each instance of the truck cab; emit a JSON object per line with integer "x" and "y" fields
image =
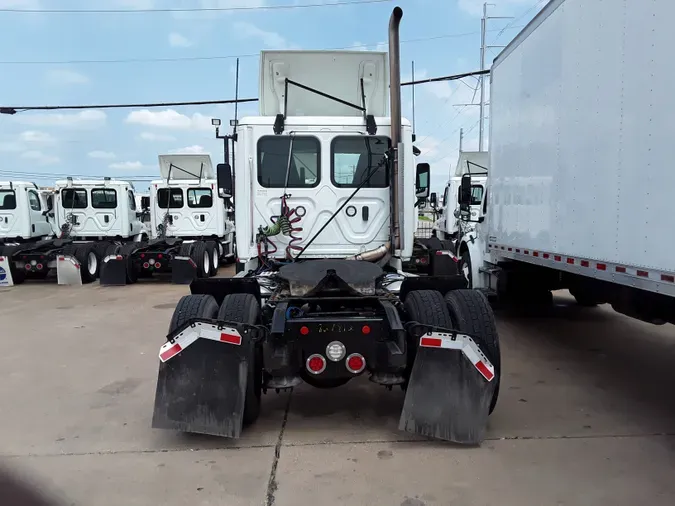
{"x": 90, "y": 209}
{"x": 23, "y": 212}
{"x": 308, "y": 152}
{"x": 185, "y": 202}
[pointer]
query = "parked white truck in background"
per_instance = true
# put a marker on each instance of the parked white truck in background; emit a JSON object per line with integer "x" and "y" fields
{"x": 191, "y": 224}
{"x": 68, "y": 229}
{"x": 579, "y": 189}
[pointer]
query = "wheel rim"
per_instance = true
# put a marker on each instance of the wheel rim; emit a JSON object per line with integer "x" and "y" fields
{"x": 207, "y": 262}
{"x": 466, "y": 272}
{"x": 92, "y": 263}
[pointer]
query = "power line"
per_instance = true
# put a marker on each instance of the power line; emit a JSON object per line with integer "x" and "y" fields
{"x": 14, "y": 109}
{"x": 188, "y": 9}
{"x": 222, "y": 57}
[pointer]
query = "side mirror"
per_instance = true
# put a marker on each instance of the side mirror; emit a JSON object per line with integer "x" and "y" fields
{"x": 145, "y": 203}
{"x": 422, "y": 181}
{"x": 433, "y": 199}
{"x": 224, "y": 178}
{"x": 465, "y": 196}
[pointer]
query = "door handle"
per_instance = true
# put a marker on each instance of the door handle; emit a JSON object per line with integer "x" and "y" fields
{"x": 202, "y": 218}
{"x": 106, "y": 218}
{"x": 364, "y": 213}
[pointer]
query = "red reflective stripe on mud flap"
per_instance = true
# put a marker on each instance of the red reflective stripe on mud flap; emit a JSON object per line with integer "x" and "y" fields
{"x": 230, "y": 338}
{"x": 174, "y": 350}
{"x": 432, "y": 342}
{"x": 482, "y": 368}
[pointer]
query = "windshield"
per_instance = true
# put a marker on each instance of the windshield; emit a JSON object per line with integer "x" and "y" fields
{"x": 7, "y": 200}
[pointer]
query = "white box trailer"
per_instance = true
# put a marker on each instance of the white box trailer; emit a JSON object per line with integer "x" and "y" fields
{"x": 580, "y": 177}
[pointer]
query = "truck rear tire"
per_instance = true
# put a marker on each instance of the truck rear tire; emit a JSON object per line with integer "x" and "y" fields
{"x": 193, "y": 306}
{"x": 89, "y": 263}
{"x": 470, "y": 312}
{"x": 202, "y": 259}
{"x": 127, "y": 250}
{"x": 212, "y": 250}
{"x": 244, "y": 308}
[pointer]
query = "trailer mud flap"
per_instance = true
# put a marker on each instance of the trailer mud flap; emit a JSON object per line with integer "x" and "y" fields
{"x": 113, "y": 271}
{"x": 68, "y": 270}
{"x": 202, "y": 381}
{"x": 450, "y": 389}
{"x": 5, "y": 272}
{"x": 183, "y": 270}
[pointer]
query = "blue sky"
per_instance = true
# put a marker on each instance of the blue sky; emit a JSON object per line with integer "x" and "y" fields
{"x": 441, "y": 36}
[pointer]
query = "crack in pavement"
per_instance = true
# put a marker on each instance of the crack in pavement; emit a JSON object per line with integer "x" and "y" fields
{"x": 272, "y": 483}
{"x": 280, "y": 444}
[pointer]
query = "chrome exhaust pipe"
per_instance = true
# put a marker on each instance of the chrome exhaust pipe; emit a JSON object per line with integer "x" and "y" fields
{"x": 395, "y": 113}
{"x": 372, "y": 255}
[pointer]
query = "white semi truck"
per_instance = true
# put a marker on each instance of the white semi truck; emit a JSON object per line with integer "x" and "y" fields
{"x": 67, "y": 229}
{"x": 191, "y": 224}
{"x": 580, "y": 185}
{"x": 326, "y": 190}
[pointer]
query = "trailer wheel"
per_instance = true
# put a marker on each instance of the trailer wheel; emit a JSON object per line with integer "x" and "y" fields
{"x": 212, "y": 250}
{"x": 127, "y": 250}
{"x": 202, "y": 259}
{"x": 86, "y": 256}
{"x": 583, "y": 299}
{"x": 244, "y": 308}
{"x": 193, "y": 306}
{"x": 471, "y": 313}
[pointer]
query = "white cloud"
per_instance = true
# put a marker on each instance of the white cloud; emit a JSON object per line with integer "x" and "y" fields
{"x": 66, "y": 77}
{"x": 37, "y": 137}
{"x": 126, "y": 166}
{"x": 101, "y": 155}
{"x": 88, "y": 119}
{"x": 170, "y": 118}
{"x": 178, "y": 40}
{"x": 245, "y": 30}
{"x": 153, "y": 137}
{"x": 40, "y": 158}
{"x": 189, "y": 150}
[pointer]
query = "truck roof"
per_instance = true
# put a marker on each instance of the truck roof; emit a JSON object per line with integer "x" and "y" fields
{"x": 356, "y": 121}
{"x": 8, "y": 184}
{"x": 186, "y": 167}
{"x": 91, "y": 182}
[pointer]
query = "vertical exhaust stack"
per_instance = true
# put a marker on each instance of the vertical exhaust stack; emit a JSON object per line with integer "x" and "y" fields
{"x": 395, "y": 112}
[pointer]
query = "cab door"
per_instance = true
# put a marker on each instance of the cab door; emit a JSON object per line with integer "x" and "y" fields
{"x": 38, "y": 222}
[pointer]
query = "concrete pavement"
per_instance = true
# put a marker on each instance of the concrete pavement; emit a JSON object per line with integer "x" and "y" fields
{"x": 585, "y": 417}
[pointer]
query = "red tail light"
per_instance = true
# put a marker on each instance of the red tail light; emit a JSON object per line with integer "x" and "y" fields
{"x": 159, "y": 256}
{"x": 27, "y": 267}
{"x": 146, "y": 265}
{"x": 157, "y": 265}
{"x": 304, "y": 330}
{"x": 355, "y": 363}
{"x": 365, "y": 329}
{"x": 142, "y": 255}
{"x": 316, "y": 364}
{"x": 39, "y": 267}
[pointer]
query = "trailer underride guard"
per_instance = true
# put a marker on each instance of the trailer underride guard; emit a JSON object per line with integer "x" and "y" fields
{"x": 285, "y": 319}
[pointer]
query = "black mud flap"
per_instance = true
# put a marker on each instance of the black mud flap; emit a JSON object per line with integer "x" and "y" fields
{"x": 113, "y": 271}
{"x": 183, "y": 270}
{"x": 201, "y": 388}
{"x": 449, "y": 392}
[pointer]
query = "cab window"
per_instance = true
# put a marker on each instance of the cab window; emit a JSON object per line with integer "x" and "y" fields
{"x": 304, "y": 170}
{"x": 200, "y": 197}
{"x": 74, "y": 198}
{"x": 132, "y": 200}
{"x": 103, "y": 198}
{"x": 170, "y": 198}
{"x": 7, "y": 200}
{"x": 354, "y": 157}
{"x": 34, "y": 201}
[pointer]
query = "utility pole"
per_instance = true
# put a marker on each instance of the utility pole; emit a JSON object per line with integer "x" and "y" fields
{"x": 483, "y": 47}
{"x": 461, "y": 139}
